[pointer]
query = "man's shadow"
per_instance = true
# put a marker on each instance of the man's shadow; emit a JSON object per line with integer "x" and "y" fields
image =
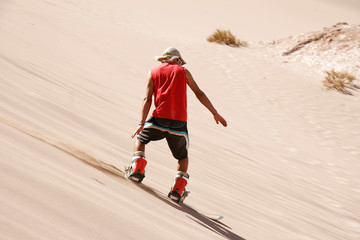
{"x": 213, "y": 225}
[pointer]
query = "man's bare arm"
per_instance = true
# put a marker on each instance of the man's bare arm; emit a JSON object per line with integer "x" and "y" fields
{"x": 204, "y": 99}
{"x": 146, "y": 105}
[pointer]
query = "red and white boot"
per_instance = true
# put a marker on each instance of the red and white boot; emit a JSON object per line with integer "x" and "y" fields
{"x": 178, "y": 191}
{"x": 136, "y": 172}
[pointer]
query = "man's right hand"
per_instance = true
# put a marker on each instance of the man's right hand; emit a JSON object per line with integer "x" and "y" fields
{"x": 138, "y": 130}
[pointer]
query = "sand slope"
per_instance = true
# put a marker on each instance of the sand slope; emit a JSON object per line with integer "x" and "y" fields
{"x": 72, "y": 78}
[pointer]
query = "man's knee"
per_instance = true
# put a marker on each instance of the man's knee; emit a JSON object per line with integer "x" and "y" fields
{"x": 180, "y": 156}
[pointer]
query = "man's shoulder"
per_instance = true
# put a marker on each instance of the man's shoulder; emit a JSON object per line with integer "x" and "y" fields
{"x": 158, "y": 66}
{"x": 168, "y": 67}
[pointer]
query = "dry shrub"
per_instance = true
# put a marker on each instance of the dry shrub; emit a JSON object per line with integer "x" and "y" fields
{"x": 226, "y": 37}
{"x": 338, "y": 81}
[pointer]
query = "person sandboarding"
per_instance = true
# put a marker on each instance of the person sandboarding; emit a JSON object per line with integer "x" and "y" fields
{"x": 168, "y": 84}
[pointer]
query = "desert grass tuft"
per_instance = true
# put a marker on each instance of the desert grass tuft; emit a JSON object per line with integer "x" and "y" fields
{"x": 226, "y": 37}
{"x": 339, "y": 81}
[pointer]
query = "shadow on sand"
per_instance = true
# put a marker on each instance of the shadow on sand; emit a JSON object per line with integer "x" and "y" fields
{"x": 201, "y": 219}
{"x": 213, "y": 225}
{"x": 207, "y": 222}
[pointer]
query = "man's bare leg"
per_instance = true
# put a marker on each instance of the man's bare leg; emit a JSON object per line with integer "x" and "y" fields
{"x": 139, "y": 146}
{"x": 183, "y": 165}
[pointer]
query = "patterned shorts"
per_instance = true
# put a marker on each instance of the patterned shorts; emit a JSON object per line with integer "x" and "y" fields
{"x": 175, "y": 132}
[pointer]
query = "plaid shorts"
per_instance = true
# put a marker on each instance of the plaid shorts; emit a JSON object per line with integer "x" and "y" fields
{"x": 175, "y": 132}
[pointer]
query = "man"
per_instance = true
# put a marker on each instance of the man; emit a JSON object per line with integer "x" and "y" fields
{"x": 168, "y": 83}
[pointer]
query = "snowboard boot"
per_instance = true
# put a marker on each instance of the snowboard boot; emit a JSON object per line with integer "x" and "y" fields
{"x": 136, "y": 172}
{"x": 178, "y": 192}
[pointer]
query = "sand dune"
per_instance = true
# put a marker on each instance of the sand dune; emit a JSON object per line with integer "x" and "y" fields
{"x": 72, "y": 79}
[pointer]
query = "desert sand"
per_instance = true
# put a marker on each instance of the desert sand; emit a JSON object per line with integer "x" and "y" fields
{"x": 73, "y": 75}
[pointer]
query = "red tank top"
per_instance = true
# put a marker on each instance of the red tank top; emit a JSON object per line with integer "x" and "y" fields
{"x": 170, "y": 91}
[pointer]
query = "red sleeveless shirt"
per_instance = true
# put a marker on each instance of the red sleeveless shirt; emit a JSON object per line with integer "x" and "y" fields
{"x": 170, "y": 91}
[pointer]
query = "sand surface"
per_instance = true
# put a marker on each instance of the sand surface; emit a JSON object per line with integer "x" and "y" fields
{"x": 72, "y": 79}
